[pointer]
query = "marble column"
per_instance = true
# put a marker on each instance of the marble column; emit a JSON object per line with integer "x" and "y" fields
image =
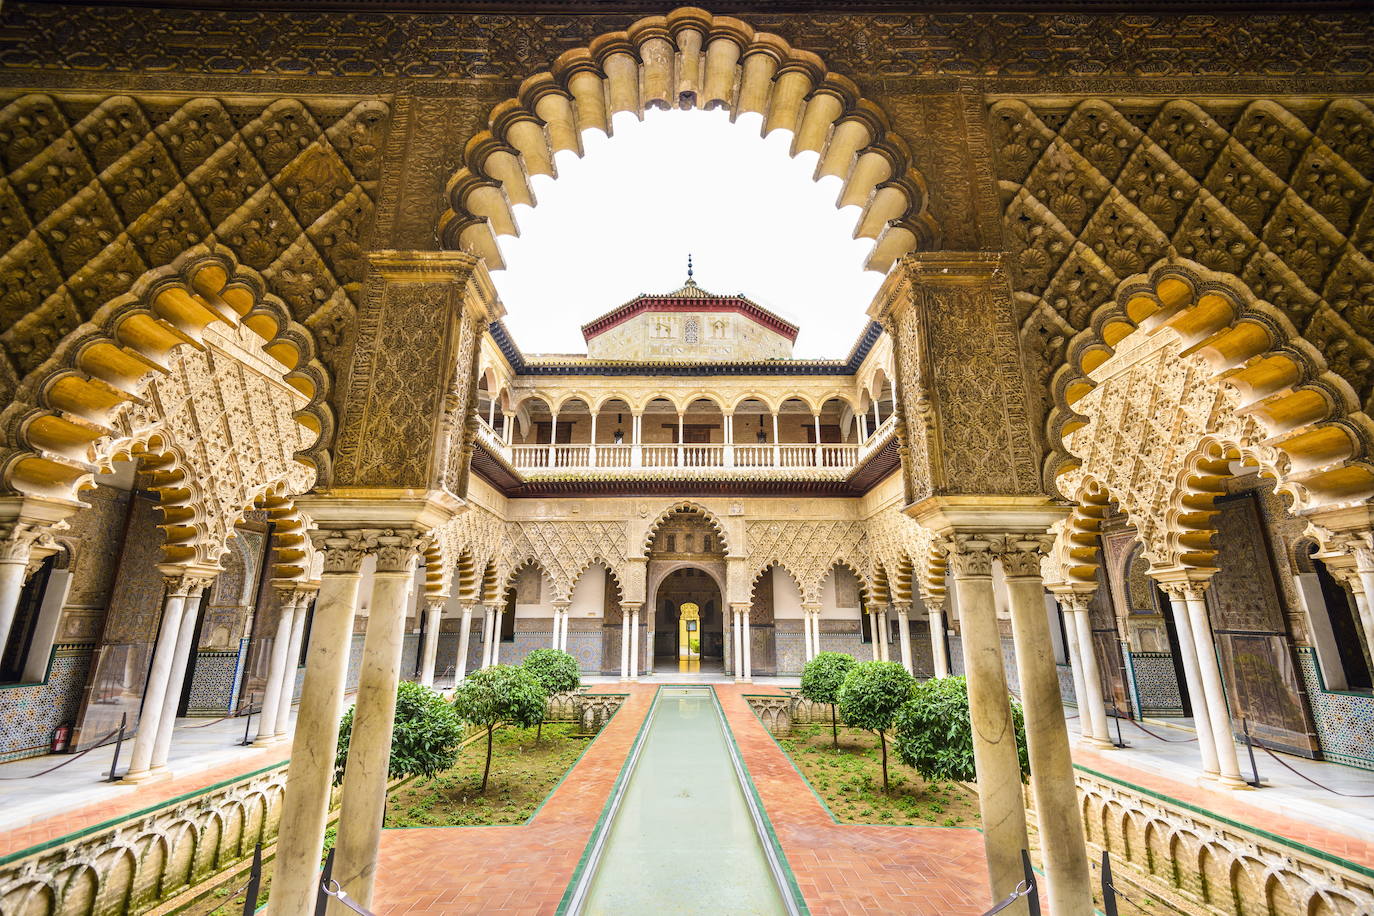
{"x": 276, "y": 666}
{"x": 487, "y": 640}
{"x": 1086, "y": 728}
{"x": 1218, "y": 713}
{"x": 14, "y": 560}
{"x": 434, "y": 612}
{"x": 939, "y": 652}
{"x": 634, "y": 642}
{"x": 305, "y": 803}
{"x": 998, "y": 764}
{"x": 560, "y": 625}
{"x": 738, "y": 641}
{"x": 810, "y": 616}
{"x": 1058, "y": 815}
{"x": 1092, "y": 708}
{"x": 181, "y": 584}
{"x": 874, "y": 634}
{"x": 460, "y": 670}
{"x": 363, "y": 796}
{"x": 497, "y": 613}
{"x": 1192, "y": 675}
{"x": 181, "y": 664}
{"x": 748, "y": 642}
{"x": 624, "y": 642}
{"x": 293, "y": 653}
{"x": 904, "y": 633}
{"x": 1361, "y": 545}
{"x": 884, "y": 635}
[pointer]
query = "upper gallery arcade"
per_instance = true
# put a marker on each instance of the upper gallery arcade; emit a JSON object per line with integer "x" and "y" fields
{"x": 1105, "y": 437}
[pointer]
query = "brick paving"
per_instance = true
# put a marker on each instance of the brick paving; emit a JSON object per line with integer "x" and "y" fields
{"x": 850, "y": 868}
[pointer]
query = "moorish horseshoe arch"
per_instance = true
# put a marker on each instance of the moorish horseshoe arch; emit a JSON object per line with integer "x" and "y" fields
{"x": 687, "y": 59}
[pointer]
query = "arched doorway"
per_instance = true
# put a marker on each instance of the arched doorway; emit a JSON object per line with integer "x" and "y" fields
{"x": 684, "y": 588}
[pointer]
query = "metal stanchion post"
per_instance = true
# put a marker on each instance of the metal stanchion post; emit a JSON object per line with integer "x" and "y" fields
{"x": 321, "y": 898}
{"x": 119, "y": 743}
{"x": 1108, "y": 892}
{"x": 250, "y": 893}
{"x": 1250, "y": 747}
{"x": 1033, "y": 898}
{"x": 248, "y": 722}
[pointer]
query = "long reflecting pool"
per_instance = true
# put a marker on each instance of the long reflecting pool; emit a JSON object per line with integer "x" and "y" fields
{"x": 683, "y": 837}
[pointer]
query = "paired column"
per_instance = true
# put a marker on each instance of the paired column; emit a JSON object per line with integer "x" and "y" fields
{"x": 305, "y": 803}
{"x": 1087, "y": 677}
{"x": 903, "y": 609}
{"x": 1062, "y": 845}
{"x": 487, "y": 641}
{"x": 16, "y": 553}
{"x": 1192, "y": 674}
{"x": 460, "y": 670}
{"x": 1361, "y": 544}
{"x": 287, "y": 603}
{"x": 560, "y": 625}
{"x": 363, "y": 797}
{"x": 434, "y": 612}
{"x": 624, "y": 642}
{"x": 939, "y": 652}
{"x": 746, "y": 656}
{"x": 811, "y": 613}
{"x": 737, "y": 641}
{"x": 998, "y": 764}
{"x": 1213, "y": 707}
{"x": 633, "y": 610}
{"x": 496, "y": 614}
{"x": 293, "y": 653}
{"x": 162, "y": 694}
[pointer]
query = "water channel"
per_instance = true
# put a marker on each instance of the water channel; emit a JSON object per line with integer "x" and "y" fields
{"x": 683, "y": 836}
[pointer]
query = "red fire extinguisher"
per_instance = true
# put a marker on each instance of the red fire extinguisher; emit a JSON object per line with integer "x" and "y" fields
{"x": 61, "y": 738}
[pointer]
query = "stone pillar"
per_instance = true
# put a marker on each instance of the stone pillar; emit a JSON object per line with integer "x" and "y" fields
{"x": 1192, "y": 675}
{"x": 180, "y": 664}
{"x": 363, "y": 797}
{"x": 938, "y": 650}
{"x": 994, "y": 743}
{"x": 1086, "y": 727}
{"x": 434, "y": 613}
{"x": 169, "y": 666}
{"x": 460, "y": 670}
{"x": 904, "y": 633}
{"x": 305, "y": 804}
{"x": 1058, "y": 816}
{"x": 293, "y": 653}
{"x": 560, "y": 625}
{"x": 276, "y": 666}
{"x": 634, "y": 642}
{"x": 625, "y": 642}
{"x": 1218, "y": 714}
{"x": 884, "y": 632}
{"x": 14, "y": 560}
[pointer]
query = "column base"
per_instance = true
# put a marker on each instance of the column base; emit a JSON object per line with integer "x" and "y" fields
{"x": 1097, "y": 744}
{"x": 146, "y": 776}
{"x": 268, "y": 741}
{"x": 1234, "y": 783}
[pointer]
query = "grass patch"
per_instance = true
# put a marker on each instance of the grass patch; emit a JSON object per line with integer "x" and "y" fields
{"x": 523, "y": 773}
{"x": 850, "y": 780}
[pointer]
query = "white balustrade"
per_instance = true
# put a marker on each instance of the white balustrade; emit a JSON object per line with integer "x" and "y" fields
{"x": 835, "y": 457}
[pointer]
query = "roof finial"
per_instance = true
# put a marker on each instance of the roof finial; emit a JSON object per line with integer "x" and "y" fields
{"x": 690, "y": 281}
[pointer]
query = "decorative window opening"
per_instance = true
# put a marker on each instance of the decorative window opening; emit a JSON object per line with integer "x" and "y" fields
{"x": 691, "y": 331}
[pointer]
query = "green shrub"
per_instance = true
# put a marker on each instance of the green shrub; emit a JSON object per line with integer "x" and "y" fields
{"x": 934, "y": 734}
{"x": 496, "y": 696}
{"x": 821, "y": 680}
{"x": 424, "y": 739}
{"x": 556, "y": 671}
{"x": 870, "y": 696}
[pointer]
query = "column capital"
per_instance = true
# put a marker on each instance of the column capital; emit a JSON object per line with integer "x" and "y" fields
{"x": 187, "y": 581}
{"x": 811, "y": 607}
{"x": 903, "y": 608}
{"x": 1073, "y": 599}
{"x": 396, "y": 266}
{"x": 631, "y": 607}
{"x": 1021, "y": 554}
{"x": 435, "y": 602}
{"x": 741, "y": 607}
{"x": 1184, "y": 584}
{"x": 970, "y": 555}
{"x": 293, "y": 594}
{"x": 21, "y": 540}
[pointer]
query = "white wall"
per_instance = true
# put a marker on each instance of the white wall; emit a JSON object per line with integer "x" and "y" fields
{"x": 544, "y": 606}
{"x": 831, "y": 609}
{"x": 589, "y": 594}
{"x": 787, "y": 599}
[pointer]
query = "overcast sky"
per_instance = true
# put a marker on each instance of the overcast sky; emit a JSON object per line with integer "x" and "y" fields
{"x": 621, "y": 220}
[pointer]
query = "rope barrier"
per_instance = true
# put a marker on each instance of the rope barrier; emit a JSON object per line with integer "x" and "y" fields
{"x": 1281, "y": 762}
{"x": 72, "y": 759}
{"x": 1161, "y": 737}
{"x": 233, "y": 715}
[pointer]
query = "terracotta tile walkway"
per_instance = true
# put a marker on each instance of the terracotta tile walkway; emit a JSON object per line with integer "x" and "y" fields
{"x": 853, "y": 868}
{"x": 146, "y": 796}
{"x": 522, "y": 869}
{"x": 1235, "y": 806}
{"x": 526, "y": 869}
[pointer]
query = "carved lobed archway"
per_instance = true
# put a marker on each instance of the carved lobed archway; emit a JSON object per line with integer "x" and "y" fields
{"x": 690, "y": 59}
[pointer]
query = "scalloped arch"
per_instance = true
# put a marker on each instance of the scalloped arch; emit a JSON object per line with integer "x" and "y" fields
{"x": 57, "y": 431}
{"x": 1311, "y": 418}
{"x": 686, "y": 59}
{"x": 686, "y": 505}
